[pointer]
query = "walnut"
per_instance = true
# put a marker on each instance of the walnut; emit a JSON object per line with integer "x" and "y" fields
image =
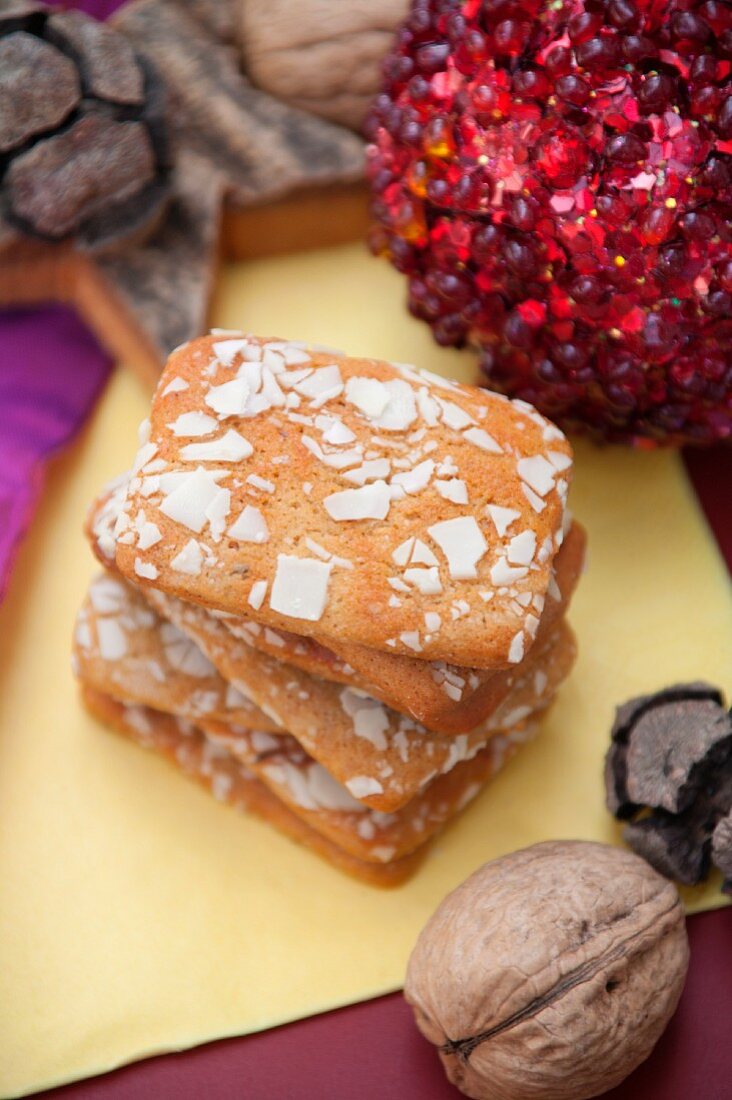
{"x": 327, "y": 59}
{"x": 550, "y": 973}
{"x": 671, "y": 754}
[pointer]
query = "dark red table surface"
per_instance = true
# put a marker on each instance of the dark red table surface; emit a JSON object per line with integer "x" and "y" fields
{"x": 372, "y": 1050}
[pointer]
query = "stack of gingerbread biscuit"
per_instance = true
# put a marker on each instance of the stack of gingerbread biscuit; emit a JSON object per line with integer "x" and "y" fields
{"x": 334, "y": 590}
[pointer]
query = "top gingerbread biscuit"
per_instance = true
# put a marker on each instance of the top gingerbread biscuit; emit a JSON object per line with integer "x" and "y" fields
{"x": 350, "y": 498}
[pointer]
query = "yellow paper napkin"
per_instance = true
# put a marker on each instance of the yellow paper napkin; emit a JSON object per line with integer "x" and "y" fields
{"x": 136, "y": 914}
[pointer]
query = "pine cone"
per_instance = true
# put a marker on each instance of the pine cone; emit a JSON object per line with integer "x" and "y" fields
{"x": 83, "y": 152}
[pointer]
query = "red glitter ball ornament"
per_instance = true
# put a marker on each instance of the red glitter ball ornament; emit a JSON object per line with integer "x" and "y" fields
{"x": 554, "y": 178}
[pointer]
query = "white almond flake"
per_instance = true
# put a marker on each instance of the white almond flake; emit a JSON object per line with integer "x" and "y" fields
{"x": 521, "y": 548}
{"x": 230, "y": 447}
{"x": 417, "y": 479}
{"x": 538, "y": 474}
{"x": 271, "y": 390}
{"x": 293, "y": 354}
{"x": 552, "y": 434}
{"x": 369, "y": 717}
{"x": 559, "y": 460}
{"x": 369, "y": 471}
{"x": 217, "y": 512}
{"x": 436, "y": 379}
{"x": 397, "y": 584}
{"x": 111, "y": 640}
{"x": 502, "y": 517}
{"x": 502, "y": 574}
{"x": 226, "y": 351}
{"x": 183, "y": 654}
{"x": 535, "y": 501}
{"x": 230, "y": 399}
{"x": 300, "y": 587}
{"x": 553, "y": 589}
{"x": 410, "y": 638}
{"x": 176, "y": 385}
{"x": 394, "y": 601}
{"x": 368, "y": 395}
{"x": 461, "y": 541}
{"x": 428, "y": 408}
{"x": 370, "y": 502}
{"x": 188, "y": 502}
{"x": 432, "y": 621}
{"x": 256, "y": 595}
{"x": 483, "y": 439}
{"x": 422, "y": 555}
{"x": 337, "y": 459}
{"x": 516, "y": 649}
{"x": 453, "y": 489}
{"x": 250, "y": 526}
{"x": 260, "y": 483}
{"x": 337, "y": 433}
{"x": 317, "y": 549}
{"x": 426, "y": 580}
{"x": 150, "y": 534}
{"x": 321, "y": 385}
{"x": 401, "y": 411}
{"x": 361, "y": 786}
{"x": 400, "y": 556}
{"x": 293, "y": 377}
{"x": 189, "y": 560}
{"x": 453, "y": 416}
{"x": 192, "y": 424}
{"x": 145, "y": 569}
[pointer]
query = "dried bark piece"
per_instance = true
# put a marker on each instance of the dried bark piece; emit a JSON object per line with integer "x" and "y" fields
{"x": 81, "y": 117}
{"x": 263, "y": 148}
{"x": 166, "y": 282}
{"x": 59, "y": 183}
{"x": 671, "y": 754}
{"x": 39, "y": 88}
{"x": 105, "y": 60}
{"x": 550, "y": 973}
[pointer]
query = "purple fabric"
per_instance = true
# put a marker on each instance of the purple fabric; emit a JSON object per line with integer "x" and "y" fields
{"x": 51, "y": 372}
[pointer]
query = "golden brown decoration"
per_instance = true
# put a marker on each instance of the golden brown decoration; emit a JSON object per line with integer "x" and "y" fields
{"x": 550, "y": 973}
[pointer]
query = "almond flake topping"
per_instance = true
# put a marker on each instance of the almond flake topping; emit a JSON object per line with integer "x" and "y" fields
{"x": 300, "y": 587}
{"x": 463, "y": 544}
{"x": 193, "y": 424}
{"x": 502, "y": 517}
{"x": 369, "y": 502}
{"x": 230, "y": 447}
{"x": 250, "y": 526}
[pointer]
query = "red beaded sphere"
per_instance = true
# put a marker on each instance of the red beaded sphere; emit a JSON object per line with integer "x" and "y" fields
{"x": 554, "y": 177}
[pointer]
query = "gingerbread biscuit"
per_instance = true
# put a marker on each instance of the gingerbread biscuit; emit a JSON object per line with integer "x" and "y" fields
{"x": 275, "y": 758}
{"x": 382, "y": 757}
{"x": 231, "y": 782}
{"x": 311, "y": 792}
{"x": 445, "y": 698}
{"x": 121, "y": 645}
{"x": 349, "y": 499}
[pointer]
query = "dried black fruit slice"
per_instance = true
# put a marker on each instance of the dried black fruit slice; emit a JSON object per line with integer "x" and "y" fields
{"x": 671, "y": 753}
{"x": 722, "y": 850}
